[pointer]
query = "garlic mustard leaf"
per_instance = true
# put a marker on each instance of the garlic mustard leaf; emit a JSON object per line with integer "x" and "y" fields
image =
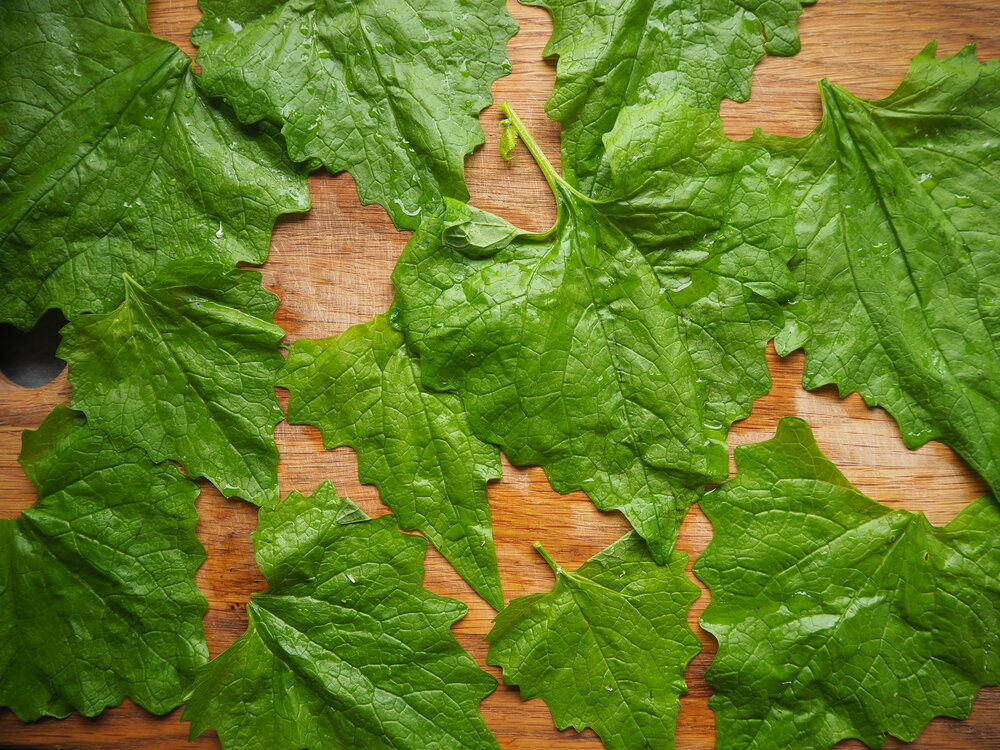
{"x": 836, "y": 616}
{"x": 113, "y": 162}
{"x": 607, "y": 647}
{"x": 346, "y": 648}
{"x": 98, "y": 600}
{"x": 185, "y": 369}
{"x": 615, "y": 349}
{"x": 363, "y": 389}
{"x": 898, "y": 216}
{"x": 614, "y": 54}
{"x": 388, "y": 90}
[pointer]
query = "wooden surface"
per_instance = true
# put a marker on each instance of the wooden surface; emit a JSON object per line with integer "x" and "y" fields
{"x": 331, "y": 269}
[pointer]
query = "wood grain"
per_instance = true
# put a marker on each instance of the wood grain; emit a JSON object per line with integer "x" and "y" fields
{"x": 331, "y": 269}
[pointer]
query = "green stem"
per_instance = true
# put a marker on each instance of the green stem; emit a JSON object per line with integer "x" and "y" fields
{"x": 548, "y": 171}
{"x": 547, "y": 557}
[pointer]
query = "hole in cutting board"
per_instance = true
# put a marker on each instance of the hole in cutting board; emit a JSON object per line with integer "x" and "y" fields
{"x": 28, "y": 358}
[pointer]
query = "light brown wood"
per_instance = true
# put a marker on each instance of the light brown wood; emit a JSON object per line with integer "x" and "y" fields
{"x": 332, "y": 268}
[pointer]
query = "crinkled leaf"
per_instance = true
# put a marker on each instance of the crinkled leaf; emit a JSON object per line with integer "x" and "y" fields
{"x": 898, "y": 216}
{"x": 603, "y": 402}
{"x": 702, "y": 210}
{"x": 185, "y": 368}
{"x": 607, "y": 647}
{"x": 112, "y": 162}
{"x": 362, "y": 389}
{"x": 97, "y": 594}
{"x": 389, "y": 91}
{"x": 345, "y": 649}
{"x": 614, "y": 54}
{"x": 565, "y": 348}
{"x": 836, "y": 616}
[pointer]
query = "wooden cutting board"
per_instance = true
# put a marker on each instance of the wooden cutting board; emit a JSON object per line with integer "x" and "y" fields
{"x": 331, "y": 269}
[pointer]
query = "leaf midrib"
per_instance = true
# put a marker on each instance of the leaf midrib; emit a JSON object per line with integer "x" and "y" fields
{"x": 135, "y": 304}
{"x": 894, "y": 362}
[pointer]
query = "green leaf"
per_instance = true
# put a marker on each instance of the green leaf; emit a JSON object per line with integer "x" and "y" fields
{"x": 345, "y": 649}
{"x": 607, "y": 647}
{"x": 617, "y": 53}
{"x": 97, "y": 594}
{"x": 702, "y": 210}
{"x": 508, "y": 139}
{"x": 185, "y": 369}
{"x": 362, "y": 389}
{"x": 112, "y": 162}
{"x": 615, "y": 349}
{"x": 898, "y": 216}
{"x": 836, "y": 616}
{"x": 389, "y": 91}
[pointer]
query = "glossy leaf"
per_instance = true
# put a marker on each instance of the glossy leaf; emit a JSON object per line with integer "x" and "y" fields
{"x": 389, "y": 91}
{"x": 607, "y": 647}
{"x": 98, "y": 601}
{"x": 185, "y": 368}
{"x": 898, "y": 217}
{"x": 112, "y": 162}
{"x": 345, "y": 649}
{"x": 614, "y": 349}
{"x": 836, "y": 616}
{"x": 614, "y": 54}
{"x": 362, "y": 389}
{"x": 702, "y": 210}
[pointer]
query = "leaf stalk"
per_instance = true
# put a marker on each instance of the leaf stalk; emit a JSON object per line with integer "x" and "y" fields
{"x": 556, "y": 568}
